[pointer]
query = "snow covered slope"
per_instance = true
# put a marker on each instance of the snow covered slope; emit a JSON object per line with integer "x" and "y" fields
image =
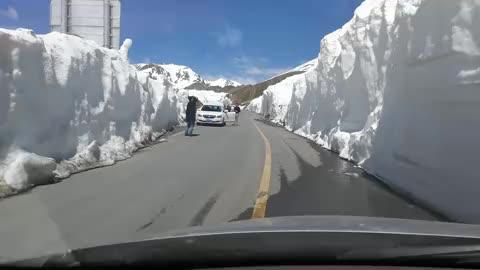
{"x": 252, "y": 94}
{"x": 221, "y": 82}
{"x": 179, "y": 76}
{"x": 308, "y": 66}
{"x": 397, "y": 90}
{"x": 274, "y": 101}
{"x": 67, "y": 104}
{"x": 182, "y": 76}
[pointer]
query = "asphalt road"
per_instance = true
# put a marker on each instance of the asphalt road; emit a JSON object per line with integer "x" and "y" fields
{"x": 188, "y": 181}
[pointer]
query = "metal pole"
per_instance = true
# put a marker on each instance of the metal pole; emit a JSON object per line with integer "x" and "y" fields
{"x": 107, "y": 27}
{"x": 65, "y": 13}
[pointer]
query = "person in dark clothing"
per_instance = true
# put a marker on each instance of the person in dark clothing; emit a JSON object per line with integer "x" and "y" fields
{"x": 237, "y": 114}
{"x": 237, "y": 109}
{"x": 191, "y": 114}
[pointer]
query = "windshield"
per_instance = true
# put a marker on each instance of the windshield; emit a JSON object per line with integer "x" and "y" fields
{"x": 109, "y": 130}
{"x": 211, "y": 108}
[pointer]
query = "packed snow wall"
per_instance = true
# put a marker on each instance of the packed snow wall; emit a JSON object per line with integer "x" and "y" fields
{"x": 67, "y": 104}
{"x": 397, "y": 90}
{"x": 273, "y": 104}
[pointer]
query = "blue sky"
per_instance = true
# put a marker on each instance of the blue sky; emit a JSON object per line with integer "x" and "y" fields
{"x": 245, "y": 40}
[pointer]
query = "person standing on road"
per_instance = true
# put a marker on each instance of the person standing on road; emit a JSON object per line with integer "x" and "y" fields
{"x": 191, "y": 114}
{"x": 237, "y": 114}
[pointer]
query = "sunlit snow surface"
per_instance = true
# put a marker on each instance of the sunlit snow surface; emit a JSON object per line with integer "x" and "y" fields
{"x": 67, "y": 105}
{"x": 397, "y": 90}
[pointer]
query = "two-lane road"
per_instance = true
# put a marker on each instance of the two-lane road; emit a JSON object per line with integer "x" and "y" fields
{"x": 188, "y": 181}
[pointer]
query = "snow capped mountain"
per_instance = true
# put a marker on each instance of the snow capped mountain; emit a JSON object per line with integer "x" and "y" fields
{"x": 178, "y": 75}
{"x": 184, "y": 77}
{"x": 223, "y": 83}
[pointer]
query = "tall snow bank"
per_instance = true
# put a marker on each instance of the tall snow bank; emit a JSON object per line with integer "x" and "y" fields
{"x": 397, "y": 90}
{"x": 68, "y": 105}
{"x": 275, "y": 100}
{"x": 163, "y": 98}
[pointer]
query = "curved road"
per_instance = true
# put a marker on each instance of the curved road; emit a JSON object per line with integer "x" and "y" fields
{"x": 188, "y": 181}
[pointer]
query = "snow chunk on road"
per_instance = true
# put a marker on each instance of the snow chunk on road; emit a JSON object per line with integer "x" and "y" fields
{"x": 23, "y": 169}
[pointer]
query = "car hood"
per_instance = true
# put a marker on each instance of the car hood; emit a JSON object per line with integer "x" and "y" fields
{"x": 342, "y": 239}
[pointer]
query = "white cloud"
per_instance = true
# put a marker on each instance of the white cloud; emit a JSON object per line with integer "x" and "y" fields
{"x": 242, "y": 60}
{"x": 210, "y": 77}
{"x": 268, "y": 72}
{"x": 147, "y": 60}
{"x": 244, "y": 79}
{"x": 256, "y": 67}
{"x": 231, "y": 37}
{"x": 10, "y": 13}
{"x": 9, "y": 27}
{"x": 249, "y": 70}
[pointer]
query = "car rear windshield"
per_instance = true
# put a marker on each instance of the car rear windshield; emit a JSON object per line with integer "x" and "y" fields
{"x": 211, "y": 108}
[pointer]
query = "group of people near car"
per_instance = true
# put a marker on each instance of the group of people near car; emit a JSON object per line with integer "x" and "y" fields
{"x": 191, "y": 114}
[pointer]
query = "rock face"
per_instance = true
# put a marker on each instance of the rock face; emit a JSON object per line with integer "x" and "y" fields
{"x": 397, "y": 90}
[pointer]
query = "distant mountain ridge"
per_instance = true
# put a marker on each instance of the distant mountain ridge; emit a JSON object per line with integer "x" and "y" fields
{"x": 246, "y": 93}
{"x": 223, "y": 82}
{"x": 183, "y": 77}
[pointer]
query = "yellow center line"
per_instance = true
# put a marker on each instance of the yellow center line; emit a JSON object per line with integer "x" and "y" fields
{"x": 262, "y": 195}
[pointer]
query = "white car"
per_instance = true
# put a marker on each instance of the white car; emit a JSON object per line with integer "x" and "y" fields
{"x": 211, "y": 113}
